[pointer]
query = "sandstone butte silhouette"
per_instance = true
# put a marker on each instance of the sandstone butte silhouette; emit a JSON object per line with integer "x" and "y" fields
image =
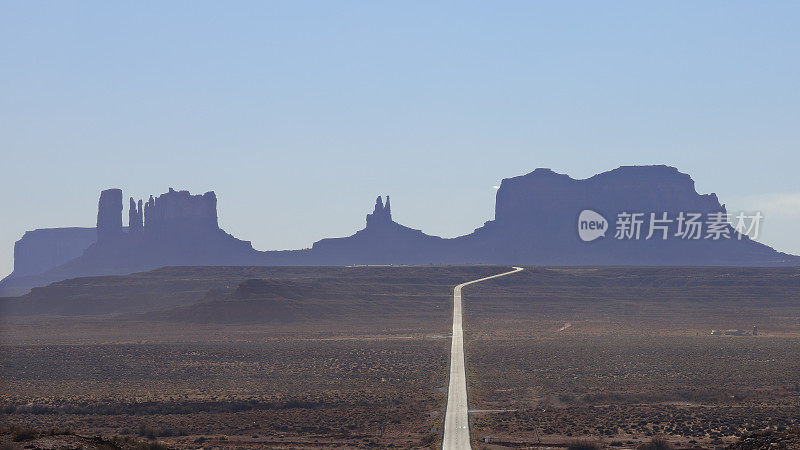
{"x": 535, "y": 224}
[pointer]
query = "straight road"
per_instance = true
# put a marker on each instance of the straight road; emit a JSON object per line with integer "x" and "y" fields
{"x": 456, "y": 421}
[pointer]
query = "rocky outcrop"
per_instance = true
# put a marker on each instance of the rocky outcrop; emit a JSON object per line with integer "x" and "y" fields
{"x": 179, "y": 210}
{"x": 383, "y": 241}
{"x": 135, "y": 217}
{"x": 381, "y": 215}
{"x": 175, "y": 228}
{"x": 536, "y": 222}
{"x": 109, "y": 215}
{"x": 543, "y": 197}
{"x": 40, "y": 250}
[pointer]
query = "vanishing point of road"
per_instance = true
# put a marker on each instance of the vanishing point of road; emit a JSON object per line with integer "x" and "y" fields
{"x": 456, "y": 420}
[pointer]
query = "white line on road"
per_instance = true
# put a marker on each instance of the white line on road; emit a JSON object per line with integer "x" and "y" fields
{"x": 456, "y": 420}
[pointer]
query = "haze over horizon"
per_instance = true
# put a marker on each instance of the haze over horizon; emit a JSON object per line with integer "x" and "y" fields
{"x": 297, "y": 115}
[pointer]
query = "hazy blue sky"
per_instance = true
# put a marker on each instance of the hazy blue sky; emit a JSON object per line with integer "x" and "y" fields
{"x": 299, "y": 113}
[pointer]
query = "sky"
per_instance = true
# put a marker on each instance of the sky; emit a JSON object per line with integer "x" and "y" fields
{"x": 298, "y": 114}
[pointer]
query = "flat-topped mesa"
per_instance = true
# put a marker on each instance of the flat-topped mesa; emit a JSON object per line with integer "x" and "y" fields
{"x": 179, "y": 210}
{"x": 545, "y": 197}
{"x": 40, "y": 250}
{"x": 109, "y": 215}
{"x": 381, "y": 215}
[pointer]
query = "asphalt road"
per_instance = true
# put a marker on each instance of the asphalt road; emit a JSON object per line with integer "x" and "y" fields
{"x": 456, "y": 420}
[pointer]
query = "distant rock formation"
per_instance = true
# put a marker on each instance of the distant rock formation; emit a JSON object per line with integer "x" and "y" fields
{"x": 135, "y": 217}
{"x": 179, "y": 210}
{"x": 383, "y": 241}
{"x": 381, "y": 215}
{"x": 176, "y": 228}
{"x": 109, "y": 215}
{"x": 40, "y": 250}
{"x": 536, "y": 223}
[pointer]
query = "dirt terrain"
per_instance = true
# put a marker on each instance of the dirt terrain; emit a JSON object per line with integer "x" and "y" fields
{"x": 281, "y": 357}
{"x": 349, "y": 357}
{"x": 619, "y": 355}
